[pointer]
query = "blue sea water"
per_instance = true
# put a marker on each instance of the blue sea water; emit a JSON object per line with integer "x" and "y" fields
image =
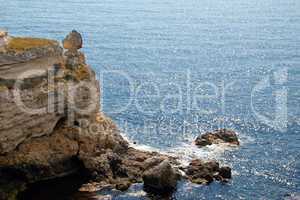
{"x": 170, "y": 70}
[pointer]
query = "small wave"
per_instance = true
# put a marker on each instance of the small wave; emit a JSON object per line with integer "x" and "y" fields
{"x": 187, "y": 151}
{"x": 141, "y": 147}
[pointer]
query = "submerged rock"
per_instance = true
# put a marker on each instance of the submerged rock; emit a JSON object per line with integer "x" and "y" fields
{"x": 217, "y": 137}
{"x": 161, "y": 178}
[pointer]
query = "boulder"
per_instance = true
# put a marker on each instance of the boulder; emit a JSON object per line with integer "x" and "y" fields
{"x": 201, "y": 172}
{"x": 204, "y": 172}
{"x": 225, "y": 172}
{"x": 3, "y": 38}
{"x": 217, "y": 137}
{"x": 161, "y": 178}
{"x": 73, "y": 41}
{"x": 3, "y": 33}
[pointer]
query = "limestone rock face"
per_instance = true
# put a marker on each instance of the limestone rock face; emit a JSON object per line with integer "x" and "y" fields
{"x": 33, "y": 94}
{"x": 37, "y": 90}
{"x": 44, "y": 157}
{"x": 216, "y": 137}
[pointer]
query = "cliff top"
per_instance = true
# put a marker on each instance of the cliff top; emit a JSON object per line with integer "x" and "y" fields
{"x": 25, "y": 43}
{"x": 16, "y": 50}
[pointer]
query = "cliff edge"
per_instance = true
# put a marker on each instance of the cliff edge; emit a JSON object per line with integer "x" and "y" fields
{"x": 51, "y": 124}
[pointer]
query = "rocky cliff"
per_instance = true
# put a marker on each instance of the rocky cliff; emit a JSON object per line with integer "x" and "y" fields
{"x": 51, "y": 124}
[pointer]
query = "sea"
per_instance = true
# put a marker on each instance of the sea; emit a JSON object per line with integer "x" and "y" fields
{"x": 171, "y": 70}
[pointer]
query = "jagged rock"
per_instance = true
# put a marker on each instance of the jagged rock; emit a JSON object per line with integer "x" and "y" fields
{"x": 44, "y": 157}
{"x": 73, "y": 41}
{"x": 161, "y": 178}
{"x": 216, "y": 137}
{"x": 201, "y": 172}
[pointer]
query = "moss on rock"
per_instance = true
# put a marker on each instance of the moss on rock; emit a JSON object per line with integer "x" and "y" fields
{"x": 23, "y": 43}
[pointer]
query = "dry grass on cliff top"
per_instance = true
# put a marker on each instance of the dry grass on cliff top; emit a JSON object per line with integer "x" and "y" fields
{"x": 23, "y": 44}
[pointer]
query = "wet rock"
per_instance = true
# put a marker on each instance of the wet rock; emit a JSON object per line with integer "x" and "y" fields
{"x": 202, "y": 142}
{"x": 216, "y": 137}
{"x": 152, "y": 162}
{"x": 161, "y": 178}
{"x": 73, "y": 41}
{"x": 204, "y": 172}
{"x": 94, "y": 187}
{"x": 200, "y": 172}
{"x": 123, "y": 186}
{"x": 225, "y": 172}
{"x": 294, "y": 196}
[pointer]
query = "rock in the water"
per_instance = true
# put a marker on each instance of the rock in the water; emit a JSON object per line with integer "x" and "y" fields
{"x": 201, "y": 172}
{"x": 225, "y": 172}
{"x": 123, "y": 186}
{"x": 216, "y": 137}
{"x": 161, "y": 178}
{"x": 294, "y": 196}
{"x": 73, "y": 41}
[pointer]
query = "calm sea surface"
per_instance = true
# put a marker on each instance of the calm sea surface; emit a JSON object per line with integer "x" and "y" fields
{"x": 173, "y": 69}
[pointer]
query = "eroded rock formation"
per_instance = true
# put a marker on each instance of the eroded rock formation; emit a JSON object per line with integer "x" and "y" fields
{"x": 217, "y": 137}
{"x": 205, "y": 172}
{"x": 51, "y": 124}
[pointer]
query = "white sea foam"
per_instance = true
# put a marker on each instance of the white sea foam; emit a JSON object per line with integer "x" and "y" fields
{"x": 187, "y": 151}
